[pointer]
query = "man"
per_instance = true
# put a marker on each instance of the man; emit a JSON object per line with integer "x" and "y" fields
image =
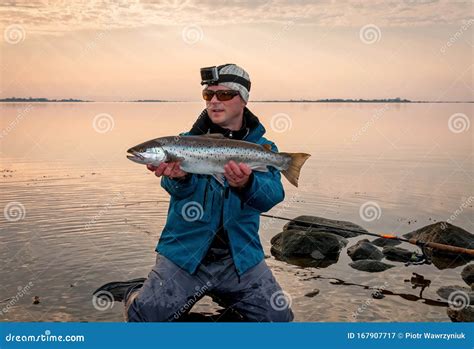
{"x": 214, "y": 250}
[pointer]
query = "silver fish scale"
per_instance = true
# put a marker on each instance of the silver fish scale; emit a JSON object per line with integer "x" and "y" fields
{"x": 209, "y": 155}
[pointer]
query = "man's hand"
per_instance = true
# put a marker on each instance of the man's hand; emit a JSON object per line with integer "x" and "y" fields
{"x": 237, "y": 175}
{"x": 169, "y": 169}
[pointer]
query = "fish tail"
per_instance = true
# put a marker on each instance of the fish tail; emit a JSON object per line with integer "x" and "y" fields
{"x": 297, "y": 160}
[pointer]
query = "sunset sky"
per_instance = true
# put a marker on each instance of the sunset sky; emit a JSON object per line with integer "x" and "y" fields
{"x": 126, "y": 50}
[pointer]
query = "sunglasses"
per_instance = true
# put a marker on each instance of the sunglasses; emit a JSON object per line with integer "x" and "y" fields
{"x": 222, "y": 95}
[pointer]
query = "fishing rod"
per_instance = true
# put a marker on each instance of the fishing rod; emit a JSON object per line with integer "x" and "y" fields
{"x": 421, "y": 244}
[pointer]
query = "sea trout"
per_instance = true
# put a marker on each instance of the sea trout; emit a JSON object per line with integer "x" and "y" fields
{"x": 207, "y": 154}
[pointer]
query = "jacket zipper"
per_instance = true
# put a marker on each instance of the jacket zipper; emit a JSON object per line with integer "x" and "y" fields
{"x": 226, "y": 195}
{"x": 205, "y": 195}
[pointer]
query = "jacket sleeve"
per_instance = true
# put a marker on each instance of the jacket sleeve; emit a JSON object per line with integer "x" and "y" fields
{"x": 265, "y": 189}
{"x": 179, "y": 188}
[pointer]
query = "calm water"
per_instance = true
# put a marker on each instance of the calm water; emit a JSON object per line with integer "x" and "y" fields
{"x": 90, "y": 216}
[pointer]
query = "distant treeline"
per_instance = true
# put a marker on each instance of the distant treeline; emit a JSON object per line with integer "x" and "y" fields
{"x": 15, "y": 99}
{"x": 340, "y": 100}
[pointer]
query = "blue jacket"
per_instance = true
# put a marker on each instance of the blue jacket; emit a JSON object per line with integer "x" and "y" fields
{"x": 186, "y": 238}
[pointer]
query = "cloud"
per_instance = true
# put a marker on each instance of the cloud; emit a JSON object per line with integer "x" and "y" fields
{"x": 62, "y": 16}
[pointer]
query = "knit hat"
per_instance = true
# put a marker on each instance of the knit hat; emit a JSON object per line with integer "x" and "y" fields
{"x": 232, "y": 75}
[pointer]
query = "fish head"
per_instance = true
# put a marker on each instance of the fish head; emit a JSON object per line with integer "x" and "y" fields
{"x": 148, "y": 153}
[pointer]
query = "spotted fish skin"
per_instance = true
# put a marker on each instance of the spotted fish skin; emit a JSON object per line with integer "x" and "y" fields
{"x": 207, "y": 154}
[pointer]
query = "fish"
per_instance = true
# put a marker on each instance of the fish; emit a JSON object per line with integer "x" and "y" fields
{"x": 207, "y": 154}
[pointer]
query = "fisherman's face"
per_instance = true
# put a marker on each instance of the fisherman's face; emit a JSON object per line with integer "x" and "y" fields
{"x": 224, "y": 113}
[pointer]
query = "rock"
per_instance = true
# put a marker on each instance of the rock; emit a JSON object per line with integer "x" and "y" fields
{"x": 448, "y": 234}
{"x": 319, "y": 224}
{"x": 458, "y": 296}
{"x": 381, "y": 242}
{"x": 363, "y": 249}
{"x": 313, "y": 293}
{"x": 467, "y": 274}
{"x": 317, "y": 255}
{"x": 299, "y": 243}
{"x": 397, "y": 254}
{"x": 370, "y": 266}
{"x": 305, "y": 248}
{"x": 309, "y": 262}
{"x": 462, "y": 315}
{"x": 377, "y": 294}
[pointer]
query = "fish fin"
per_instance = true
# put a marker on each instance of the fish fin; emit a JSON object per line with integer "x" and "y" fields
{"x": 267, "y": 147}
{"x": 261, "y": 168}
{"x": 292, "y": 173}
{"x": 219, "y": 177}
{"x": 173, "y": 158}
{"x": 213, "y": 135}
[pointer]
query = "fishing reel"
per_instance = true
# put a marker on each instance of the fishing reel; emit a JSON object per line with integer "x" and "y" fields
{"x": 419, "y": 259}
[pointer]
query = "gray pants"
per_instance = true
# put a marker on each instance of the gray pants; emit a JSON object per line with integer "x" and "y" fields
{"x": 170, "y": 292}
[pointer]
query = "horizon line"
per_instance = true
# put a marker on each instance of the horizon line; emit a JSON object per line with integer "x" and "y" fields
{"x": 325, "y": 100}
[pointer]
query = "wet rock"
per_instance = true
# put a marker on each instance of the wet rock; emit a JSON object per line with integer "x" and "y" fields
{"x": 313, "y": 293}
{"x": 309, "y": 262}
{"x": 462, "y": 315}
{"x": 398, "y": 254}
{"x": 305, "y": 248}
{"x": 317, "y": 255}
{"x": 370, "y": 266}
{"x": 299, "y": 243}
{"x": 319, "y": 224}
{"x": 467, "y": 274}
{"x": 458, "y": 296}
{"x": 448, "y": 234}
{"x": 363, "y": 249}
{"x": 381, "y": 242}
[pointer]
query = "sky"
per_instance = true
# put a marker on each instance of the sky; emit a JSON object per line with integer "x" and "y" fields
{"x": 128, "y": 50}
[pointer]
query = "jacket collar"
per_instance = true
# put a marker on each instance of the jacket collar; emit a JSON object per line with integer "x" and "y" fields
{"x": 252, "y": 130}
